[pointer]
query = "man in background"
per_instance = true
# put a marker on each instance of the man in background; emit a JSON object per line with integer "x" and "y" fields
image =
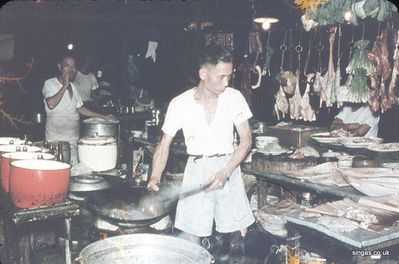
{"x": 63, "y": 105}
{"x": 85, "y": 81}
{"x": 357, "y": 119}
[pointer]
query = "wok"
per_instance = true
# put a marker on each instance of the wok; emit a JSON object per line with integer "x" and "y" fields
{"x": 123, "y": 204}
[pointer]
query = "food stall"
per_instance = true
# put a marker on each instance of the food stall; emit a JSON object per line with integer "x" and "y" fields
{"x": 319, "y": 194}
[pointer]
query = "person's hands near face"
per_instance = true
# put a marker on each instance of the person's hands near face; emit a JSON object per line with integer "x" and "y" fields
{"x": 65, "y": 76}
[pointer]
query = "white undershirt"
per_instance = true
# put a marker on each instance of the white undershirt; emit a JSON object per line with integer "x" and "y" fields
{"x": 202, "y": 138}
{"x": 363, "y": 115}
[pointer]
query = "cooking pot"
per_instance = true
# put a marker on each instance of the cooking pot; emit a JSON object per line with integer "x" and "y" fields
{"x": 144, "y": 248}
{"x": 36, "y": 183}
{"x": 17, "y": 148}
{"x": 99, "y": 154}
{"x": 11, "y": 141}
{"x": 7, "y": 158}
{"x": 98, "y": 127}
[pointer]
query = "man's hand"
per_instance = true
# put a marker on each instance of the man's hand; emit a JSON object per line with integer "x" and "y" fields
{"x": 109, "y": 117}
{"x": 217, "y": 181}
{"x": 153, "y": 185}
{"x": 65, "y": 77}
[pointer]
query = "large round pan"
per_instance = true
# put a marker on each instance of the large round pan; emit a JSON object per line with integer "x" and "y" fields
{"x": 144, "y": 248}
{"x": 122, "y": 205}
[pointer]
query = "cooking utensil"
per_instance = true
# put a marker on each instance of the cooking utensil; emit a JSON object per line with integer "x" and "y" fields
{"x": 99, "y": 154}
{"x": 87, "y": 183}
{"x": 144, "y": 248}
{"x": 120, "y": 205}
{"x": 97, "y": 127}
{"x": 7, "y": 158}
{"x": 36, "y": 183}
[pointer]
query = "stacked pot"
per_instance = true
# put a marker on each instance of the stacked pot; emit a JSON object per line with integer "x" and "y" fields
{"x": 98, "y": 147}
{"x": 31, "y": 178}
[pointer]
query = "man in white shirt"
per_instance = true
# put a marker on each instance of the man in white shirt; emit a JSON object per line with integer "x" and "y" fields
{"x": 85, "y": 82}
{"x": 358, "y": 119}
{"x": 63, "y": 106}
{"x": 208, "y": 114}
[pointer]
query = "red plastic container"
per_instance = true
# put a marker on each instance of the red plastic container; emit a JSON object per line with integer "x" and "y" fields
{"x": 38, "y": 183}
{"x": 7, "y": 158}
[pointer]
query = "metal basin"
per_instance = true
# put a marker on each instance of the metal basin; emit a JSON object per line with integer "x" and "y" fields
{"x": 144, "y": 249}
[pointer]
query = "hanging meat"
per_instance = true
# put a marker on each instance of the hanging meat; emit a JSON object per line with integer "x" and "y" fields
{"x": 288, "y": 81}
{"x": 306, "y": 110}
{"x": 281, "y": 105}
{"x": 255, "y": 42}
{"x": 376, "y": 58}
{"x": 317, "y": 82}
{"x": 374, "y": 100}
{"x": 327, "y": 81}
{"x": 294, "y": 101}
{"x": 392, "y": 93}
{"x": 385, "y": 103}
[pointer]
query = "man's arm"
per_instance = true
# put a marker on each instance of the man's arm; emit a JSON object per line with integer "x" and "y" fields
{"x": 54, "y": 100}
{"x": 356, "y": 128}
{"x": 159, "y": 162}
{"x": 239, "y": 154}
{"x": 86, "y": 112}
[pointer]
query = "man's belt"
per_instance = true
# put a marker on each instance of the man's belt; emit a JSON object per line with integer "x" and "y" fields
{"x": 197, "y": 157}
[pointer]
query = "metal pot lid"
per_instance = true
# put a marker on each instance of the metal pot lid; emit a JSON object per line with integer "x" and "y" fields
{"x": 86, "y": 183}
{"x": 97, "y": 140}
{"x": 16, "y": 148}
{"x": 97, "y": 120}
{"x": 11, "y": 141}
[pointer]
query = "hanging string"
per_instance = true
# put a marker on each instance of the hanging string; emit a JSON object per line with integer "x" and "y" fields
{"x": 319, "y": 48}
{"x": 379, "y": 28}
{"x": 339, "y": 42}
{"x": 291, "y": 51}
{"x": 364, "y": 27}
{"x": 308, "y": 56}
{"x": 283, "y": 48}
{"x": 351, "y": 43}
{"x": 299, "y": 49}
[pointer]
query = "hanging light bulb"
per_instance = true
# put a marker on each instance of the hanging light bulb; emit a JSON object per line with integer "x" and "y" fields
{"x": 266, "y": 25}
{"x": 70, "y": 46}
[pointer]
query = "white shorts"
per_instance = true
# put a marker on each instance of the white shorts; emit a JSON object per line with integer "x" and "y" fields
{"x": 228, "y": 206}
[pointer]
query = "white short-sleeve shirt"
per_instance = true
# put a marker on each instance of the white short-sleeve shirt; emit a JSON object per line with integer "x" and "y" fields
{"x": 363, "y": 115}
{"x": 67, "y": 107}
{"x": 202, "y": 138}
{"x": 85, "y": 83}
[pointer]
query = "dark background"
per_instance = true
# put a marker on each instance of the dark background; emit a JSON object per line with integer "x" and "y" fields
{"x": 111, "y": 30}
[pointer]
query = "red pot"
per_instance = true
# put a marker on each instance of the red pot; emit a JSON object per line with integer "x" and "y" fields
{"x": 7, "y": 158}
{"x": 37, "y": 183}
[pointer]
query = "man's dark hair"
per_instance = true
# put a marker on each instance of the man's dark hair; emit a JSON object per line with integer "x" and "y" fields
{"x": 66, "y": 54}
{"x": 212, "y": 54}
